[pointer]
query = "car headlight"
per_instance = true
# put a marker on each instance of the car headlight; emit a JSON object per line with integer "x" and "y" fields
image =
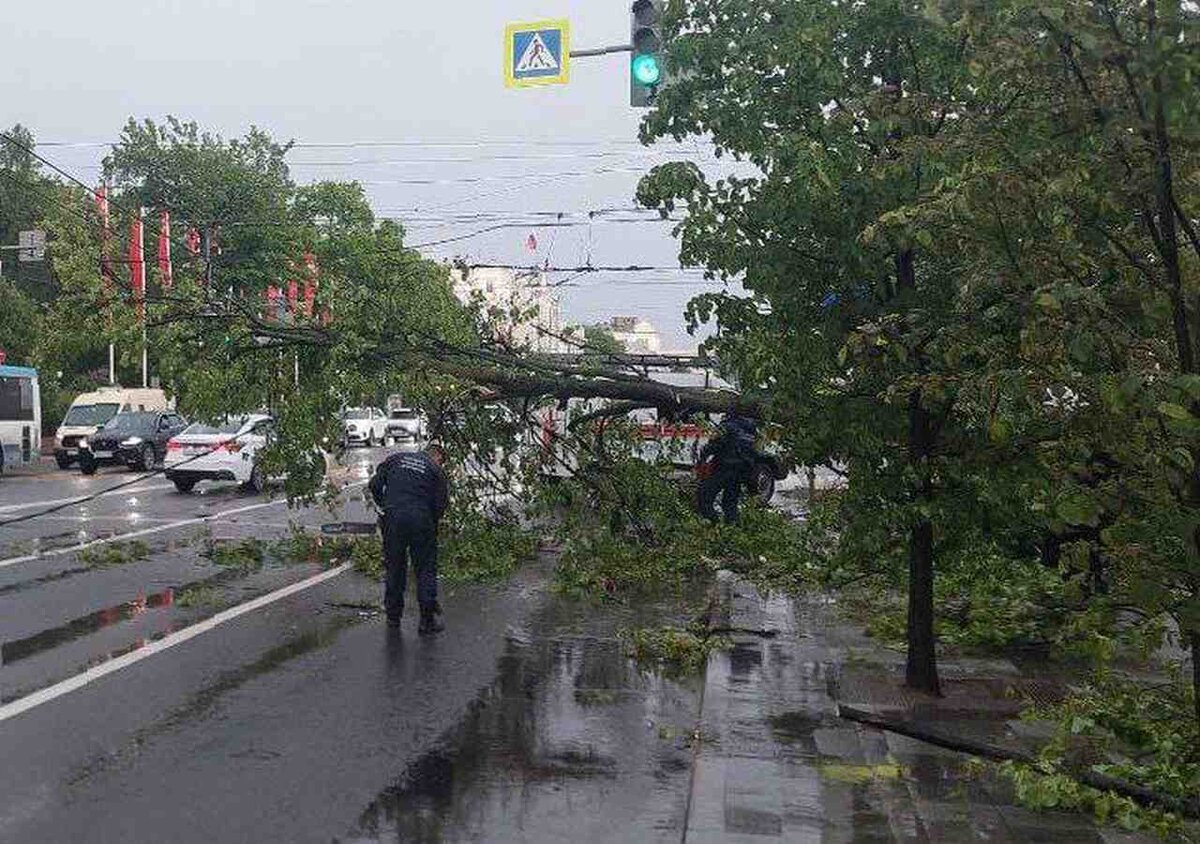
{"x": 132, "y": 441}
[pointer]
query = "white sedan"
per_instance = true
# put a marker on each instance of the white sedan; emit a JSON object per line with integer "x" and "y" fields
{"x": 364, "y": 426}
{"x": 224, "y": 452}
{"x": 405, "y": 426}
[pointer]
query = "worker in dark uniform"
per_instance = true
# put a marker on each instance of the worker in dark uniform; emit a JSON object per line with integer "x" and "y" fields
{"x": 411, "y": 489}
{"x": 733, "y": 457}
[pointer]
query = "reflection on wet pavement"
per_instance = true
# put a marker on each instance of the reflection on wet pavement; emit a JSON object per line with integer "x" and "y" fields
{"x": 569, "y": 742}
{"x": 202, "y": 704}
{"x": 776, "y": 763}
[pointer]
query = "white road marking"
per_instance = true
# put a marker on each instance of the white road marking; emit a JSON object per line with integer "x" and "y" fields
{"x": 122, "y": 537}
{"x": 71, "y": 684}
{"x": 8, "y": 508}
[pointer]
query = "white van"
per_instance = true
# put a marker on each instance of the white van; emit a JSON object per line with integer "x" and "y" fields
{"x": 91, "y": 410}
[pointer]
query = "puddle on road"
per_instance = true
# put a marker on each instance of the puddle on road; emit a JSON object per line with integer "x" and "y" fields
{"x": 77, "y": 628}
{"x": 570, "y": 742}
{"x": 19, "y": 649}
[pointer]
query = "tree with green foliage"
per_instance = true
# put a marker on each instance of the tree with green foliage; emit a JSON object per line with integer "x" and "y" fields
{"x": 1076, "y": 210}
{"x": 600, "y": 338}
{"x": 855, "y": 326}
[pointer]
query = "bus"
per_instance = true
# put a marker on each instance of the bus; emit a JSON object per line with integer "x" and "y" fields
{"x": 20, "y": 417}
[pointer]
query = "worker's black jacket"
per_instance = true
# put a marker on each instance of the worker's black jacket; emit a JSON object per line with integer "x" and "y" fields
{"x": 734, "y": 444}
{"x": 411, "y": 487}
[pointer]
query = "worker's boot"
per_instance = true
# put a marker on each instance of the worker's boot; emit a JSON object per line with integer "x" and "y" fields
{"x": 430, "y": 623}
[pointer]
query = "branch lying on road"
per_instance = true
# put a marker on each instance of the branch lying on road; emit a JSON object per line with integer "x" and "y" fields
{"x": 648, "y": 394}
{"x": 1189, "y": 808}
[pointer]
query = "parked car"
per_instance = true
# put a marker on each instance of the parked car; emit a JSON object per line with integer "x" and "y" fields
{"x": 137, "y": 440}
{"x": 364, "y": 426}
{"x": 405, "y": 425}
{"x": 91, "y": 410}
{"x": 227, "y": 451}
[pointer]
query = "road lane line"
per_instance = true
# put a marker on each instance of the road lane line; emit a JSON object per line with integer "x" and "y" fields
{"x": 71, "y": 684}
{"x": 121, "y": 537}
{"x": 9, "y": 508}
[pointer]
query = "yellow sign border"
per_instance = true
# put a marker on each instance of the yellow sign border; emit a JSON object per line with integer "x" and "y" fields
{"x": 510, "y": 34}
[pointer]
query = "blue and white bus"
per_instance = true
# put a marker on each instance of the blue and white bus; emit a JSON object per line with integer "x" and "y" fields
{"x": 20, "y": 417}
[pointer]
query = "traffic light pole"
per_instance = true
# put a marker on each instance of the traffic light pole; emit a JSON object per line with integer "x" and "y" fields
{"x": 602, "y": 51}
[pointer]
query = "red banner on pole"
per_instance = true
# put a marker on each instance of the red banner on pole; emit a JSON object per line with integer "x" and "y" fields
{"x": 164, "y": 251}
{"x": 137, "y": 264}
{"x": 107, "y": 277}
{"x": 310, "y": 298}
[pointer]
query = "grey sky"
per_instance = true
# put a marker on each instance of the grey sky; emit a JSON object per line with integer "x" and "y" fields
{"x": 371, "y": 70}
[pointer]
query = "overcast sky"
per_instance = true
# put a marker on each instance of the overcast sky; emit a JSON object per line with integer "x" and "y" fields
{"x": 428, "y": 75}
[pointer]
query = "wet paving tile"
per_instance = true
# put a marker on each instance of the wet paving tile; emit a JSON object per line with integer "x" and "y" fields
{"x": 570, "y": 741}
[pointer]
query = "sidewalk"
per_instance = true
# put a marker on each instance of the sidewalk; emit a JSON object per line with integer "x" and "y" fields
{"x": 776, "y": 763}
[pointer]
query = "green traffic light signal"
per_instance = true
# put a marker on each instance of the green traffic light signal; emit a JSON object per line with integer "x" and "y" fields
{"x": 646, "y": 70}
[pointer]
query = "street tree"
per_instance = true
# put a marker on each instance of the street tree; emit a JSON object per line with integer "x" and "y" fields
{"x": 854, "y": 320}
{"x": 1076, "y": 211}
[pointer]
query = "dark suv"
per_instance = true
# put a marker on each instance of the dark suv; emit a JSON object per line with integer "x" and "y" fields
{"x": 137, "y": 440}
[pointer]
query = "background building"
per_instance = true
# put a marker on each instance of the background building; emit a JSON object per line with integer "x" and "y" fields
{"x": 526, "y": 295}
{"x": 638, "y": 335}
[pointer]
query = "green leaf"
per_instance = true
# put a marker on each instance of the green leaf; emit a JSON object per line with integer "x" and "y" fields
{"x": 1174, "y": 411}
{"x": 1078, "y": 508}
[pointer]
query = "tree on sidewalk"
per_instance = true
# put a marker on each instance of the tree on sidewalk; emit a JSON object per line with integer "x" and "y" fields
{"x": 855, "y": 324}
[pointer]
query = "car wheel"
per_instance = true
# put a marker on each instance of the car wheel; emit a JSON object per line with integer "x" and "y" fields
{"x": 762, "y": 484}
{"x": 184, "y": 486}
{"x": 62, "y": 461}
{"x": 88, "y": 465}
{"x": 146, "y": 458}
{"x": 257, "y": 482}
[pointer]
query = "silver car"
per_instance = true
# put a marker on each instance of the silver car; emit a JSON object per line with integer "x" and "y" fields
{"x": 405, "y": 425}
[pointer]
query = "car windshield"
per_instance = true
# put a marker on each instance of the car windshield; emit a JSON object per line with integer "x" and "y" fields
{"x": 230, "y": 426}
{"x": 355, "y": 415}
{"x": 124, "y": 423}
{"x": 87, "y": 415}
{"x": 404, "y": 414}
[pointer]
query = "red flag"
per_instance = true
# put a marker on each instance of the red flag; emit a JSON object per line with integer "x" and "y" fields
{"x": 310, "y": 298}
{"x": 272, "y": 303}
{"x": 137, "y": 264}
{"x": 293, "y": 293}
{"x": 164, "y": 251}
{"x": 106, "y": 269}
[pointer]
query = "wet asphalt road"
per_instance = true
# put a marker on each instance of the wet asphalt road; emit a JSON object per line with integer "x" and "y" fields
{"x": 303, "y": 719}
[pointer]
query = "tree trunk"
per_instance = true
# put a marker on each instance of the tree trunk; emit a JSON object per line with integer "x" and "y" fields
{"x": 921, "y": 669}
{"x": 515, "y": 384}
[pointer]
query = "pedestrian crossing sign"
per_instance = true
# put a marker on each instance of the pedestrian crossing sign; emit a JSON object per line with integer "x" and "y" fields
{"x": 537, "y": 53}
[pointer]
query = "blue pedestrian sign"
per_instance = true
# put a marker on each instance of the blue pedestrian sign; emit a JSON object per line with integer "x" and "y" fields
{"x": 537, "y": 53}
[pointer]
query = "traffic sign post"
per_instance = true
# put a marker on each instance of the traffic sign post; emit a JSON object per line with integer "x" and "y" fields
{"x": 31, "y": 246}
{"x": 537, "y": 53}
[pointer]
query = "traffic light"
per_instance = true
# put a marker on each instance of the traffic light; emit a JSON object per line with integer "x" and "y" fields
{"x": 646, "y": 72}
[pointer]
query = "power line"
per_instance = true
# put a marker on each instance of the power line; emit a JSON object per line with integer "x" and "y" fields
{"x": 473, "y": 143}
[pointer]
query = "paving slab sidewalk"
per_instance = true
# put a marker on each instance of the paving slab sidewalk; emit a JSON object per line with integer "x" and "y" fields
{"x": 776, "y": 763}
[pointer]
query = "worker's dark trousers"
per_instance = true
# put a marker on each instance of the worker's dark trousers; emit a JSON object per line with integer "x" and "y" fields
{"x": 726, "y": 482}
{"x": 405, "y": 536}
